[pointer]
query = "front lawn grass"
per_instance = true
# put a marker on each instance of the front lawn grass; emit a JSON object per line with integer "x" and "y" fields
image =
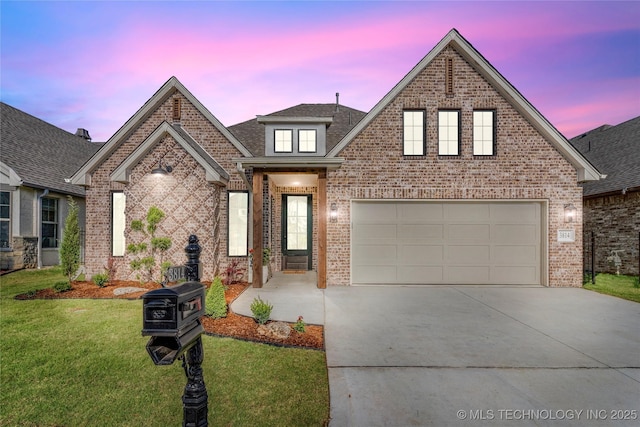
{"x": 84, "y": 363}
{"x": 618, "y": 286}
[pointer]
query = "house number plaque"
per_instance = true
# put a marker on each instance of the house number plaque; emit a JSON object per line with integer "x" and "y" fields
{"x": 566, "y": 236}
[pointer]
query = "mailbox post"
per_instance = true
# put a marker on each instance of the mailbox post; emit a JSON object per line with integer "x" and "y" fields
{"x": 171, "y": 317}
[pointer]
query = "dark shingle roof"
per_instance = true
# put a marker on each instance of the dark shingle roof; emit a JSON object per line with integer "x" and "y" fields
{"x": 615, "y": 152}
{"x": 251, "y": 133}
{"x": 41, "y": 154}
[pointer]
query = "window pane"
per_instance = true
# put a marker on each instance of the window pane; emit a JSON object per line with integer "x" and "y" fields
{"x": 4, "y": 197}
{"x": 4, "y": 234}
{"x": 49, "y": 239}
{"x": 283, "y": 140}
{"x": 49, "y": 223}
{"x": 297, "y": 222}
{"x": 307, "y": 141}
{"x": 118, "y": 204}
{"x": 483, "y": 133}
{"x": 238, "y": 223}
{"x": 413, "y": 123}
{"x": 448, "y": 133}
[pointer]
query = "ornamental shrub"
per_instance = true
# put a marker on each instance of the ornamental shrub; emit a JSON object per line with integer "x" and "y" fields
{"x": 70, "y": 247}
{"x": 261, "y": 310}
{"x": 62, "y": 287}
{"x": 100, "y": 279}
{"x": 215, "y": 303}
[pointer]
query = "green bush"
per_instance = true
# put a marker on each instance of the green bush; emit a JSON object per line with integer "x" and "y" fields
{"x": 215, "y": 303}
{"x": 100, "y": 279}
{"x": 300, "y": 326}
{"x": 62, "y": 287}
{"x": 261, "y": 310}
{"x": 70, "y": 247}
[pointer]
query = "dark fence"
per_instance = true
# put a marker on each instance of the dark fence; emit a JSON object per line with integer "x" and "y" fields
{"x": 600, "y": 256}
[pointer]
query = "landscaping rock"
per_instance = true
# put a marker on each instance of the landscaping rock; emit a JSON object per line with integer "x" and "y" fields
{"x": 128, "y": 290}
{"x": 278, "y": 330}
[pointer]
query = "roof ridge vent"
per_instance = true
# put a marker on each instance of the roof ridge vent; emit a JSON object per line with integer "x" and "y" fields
{"x": 337, "y": 101}
{"x": 84, "y": 134}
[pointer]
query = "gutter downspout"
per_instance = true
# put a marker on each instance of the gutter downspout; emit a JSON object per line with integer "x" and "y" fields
{"x": 243, "y": 175}
{"x": 39, "y": 226}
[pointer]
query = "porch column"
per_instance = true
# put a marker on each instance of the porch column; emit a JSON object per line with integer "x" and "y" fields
{"x": 257, "y": 228}
{"x": 322, "y": 229}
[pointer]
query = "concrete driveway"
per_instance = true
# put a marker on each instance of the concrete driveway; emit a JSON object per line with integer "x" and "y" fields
{"x": 474, "y": 356}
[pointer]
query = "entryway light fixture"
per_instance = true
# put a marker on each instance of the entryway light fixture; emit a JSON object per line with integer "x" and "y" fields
{"x": 333, "y": 214}
{"x": 160, "y": 170}
{"x": 570, "y": 212}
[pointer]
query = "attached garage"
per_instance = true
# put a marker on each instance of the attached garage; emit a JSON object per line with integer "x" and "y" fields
{"x": 435, "y": 242}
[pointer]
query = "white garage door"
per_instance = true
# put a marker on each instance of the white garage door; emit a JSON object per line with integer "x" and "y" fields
{"x": 405, "y": 242}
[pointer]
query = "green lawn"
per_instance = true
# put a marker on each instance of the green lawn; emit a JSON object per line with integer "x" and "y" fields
{"x": 84, "y": 363}
{"x": 617, "y": 286}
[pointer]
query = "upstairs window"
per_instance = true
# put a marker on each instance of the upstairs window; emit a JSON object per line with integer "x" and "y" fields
{"x": 49, "y": 222}
{"x": 449, "y": 132}
{"x": 484, "y": 135}
{"x": 283, "y": 138}
{"x": 307, "y": 140}
{"x": 413, "y": 133}
{"x": 5, "y": 218}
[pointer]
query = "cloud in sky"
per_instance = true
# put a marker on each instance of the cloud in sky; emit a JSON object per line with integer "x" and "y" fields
{"x": 93, "y": 64}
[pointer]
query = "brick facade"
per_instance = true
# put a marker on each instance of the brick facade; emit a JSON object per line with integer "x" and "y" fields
{"x": 191, "y": 204}
{"x": 525, "y": 167}
{"x": 615, "y": 223}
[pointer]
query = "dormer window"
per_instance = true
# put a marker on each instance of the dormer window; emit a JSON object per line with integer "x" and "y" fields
{"x": 283, "y": 139}
{"x": 307, "y": 140}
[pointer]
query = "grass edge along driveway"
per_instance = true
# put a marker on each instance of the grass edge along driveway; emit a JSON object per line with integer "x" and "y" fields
{"x": 83, "y": 363}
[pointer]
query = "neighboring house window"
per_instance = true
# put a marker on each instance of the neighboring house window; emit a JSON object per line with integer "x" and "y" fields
{"x": 449, "y": 132}
{"x": 413, "y": 133}
{"x": 283, "y": 138}
{"x": 49, "y": 222}
{"x": 118, "y": 223}
{"x": 5, "y": 218}
{"x": 307, "y": 141}
{"x": 484, "y": 133}
{"x": 238, "y": 222}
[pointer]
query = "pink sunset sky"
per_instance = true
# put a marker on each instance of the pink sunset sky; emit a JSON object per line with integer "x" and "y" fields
{"x": 94, "y": 64}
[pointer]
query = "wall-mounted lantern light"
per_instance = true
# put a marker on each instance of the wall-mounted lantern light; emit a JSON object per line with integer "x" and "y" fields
{"x": 333, "y": 213}
{"x": 162, "y": 170}
{"x": 570, "y": 213}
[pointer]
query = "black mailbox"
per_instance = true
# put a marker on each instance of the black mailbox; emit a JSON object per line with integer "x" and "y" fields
{"x": 171, "y": 316}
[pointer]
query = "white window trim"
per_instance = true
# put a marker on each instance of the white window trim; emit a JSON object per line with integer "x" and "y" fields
{"x": 118, "y": 224}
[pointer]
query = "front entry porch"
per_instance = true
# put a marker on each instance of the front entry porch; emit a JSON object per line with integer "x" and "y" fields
{"x": 292, "y": 294}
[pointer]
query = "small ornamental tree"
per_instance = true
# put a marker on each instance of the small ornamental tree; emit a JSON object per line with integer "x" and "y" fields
{"x": 215, "y": 303}
{"x": 146, "y": 252}
{"x": 70, "y": 247}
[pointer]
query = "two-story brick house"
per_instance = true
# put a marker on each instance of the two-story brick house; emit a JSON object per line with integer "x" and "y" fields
{"x": 453, "y": 177}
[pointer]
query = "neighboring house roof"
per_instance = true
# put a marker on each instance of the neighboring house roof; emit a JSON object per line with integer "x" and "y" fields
{"x": 585, "y": 170}
{"x": 82, "y": 176}
{"x": 39, "y": 154}
{"x": 251, "y": 132}
{"x": 615, "y": 151}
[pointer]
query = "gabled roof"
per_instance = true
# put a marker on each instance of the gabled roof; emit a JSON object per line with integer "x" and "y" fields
{"x": 214, "y": 172}
{"x": 615, "y": 151}
{"x": 585, "y": 171}
{"x": 82, "y": 176}
{"x": 343, "y": 119}
{"x": 40, "y": 155}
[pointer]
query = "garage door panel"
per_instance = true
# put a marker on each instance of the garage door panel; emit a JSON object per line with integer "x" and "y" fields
{"x": 418, "y": 275}
{"x": 374, "y": 231}
{"x": 466, "y": 275}
{"x": 468, "y": 254}
{"x": 516, "y": 255}
{"x": 421, "y": 212}
{"x": 375, "y": 255}
{"x": 420, "y": 255}
{"x": 469, "y": 232}
{"x": 515, "y": 234}
{"x": 515, "y": 275}
{"x": 467, "y": 212}
{"x": 515, "y": 212}
{"x": 376, "y": 274}
{"x": 420, "y": 231}
{"x": 447, "y": 242}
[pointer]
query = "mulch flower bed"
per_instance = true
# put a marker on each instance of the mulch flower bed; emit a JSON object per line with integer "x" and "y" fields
{"x": 234, "y": 325}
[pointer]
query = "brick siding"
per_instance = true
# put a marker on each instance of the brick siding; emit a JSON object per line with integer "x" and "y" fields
{"x": 525, "y": 167}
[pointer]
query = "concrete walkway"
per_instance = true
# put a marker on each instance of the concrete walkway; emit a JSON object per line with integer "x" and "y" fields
{"x": 476, "y": 356}
{"x": 291, "y": 295}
